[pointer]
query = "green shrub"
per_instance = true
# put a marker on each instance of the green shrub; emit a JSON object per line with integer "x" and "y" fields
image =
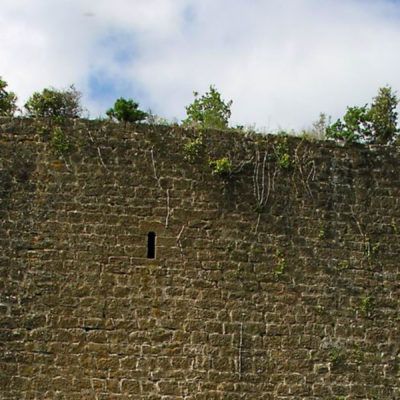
{"x": 221, "y": 167}
{"x": 374, "y": 124}
{"x": 192, "y": 149}
{"x": 282, "y": 154}
{"x": 280, "y": 265}
{"x": 366, "y": 305}
{"x": 383, "y": 116}
{"x": 8, "y": 100}
{"x": 126, "y": 110}
{"x": 355, "y": 126}
{"x": 60, "y": 142}
{"x": 209, "y": 110}
{"x": 336, "y": 356}
{"x": 53, "y": 103}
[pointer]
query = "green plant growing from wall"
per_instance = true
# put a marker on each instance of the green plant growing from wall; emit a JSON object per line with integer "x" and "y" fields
{"x": 358, "y": 354}
{"x": 282, "y": 155}
{"x": 53, "y": 103}
{"x": 126, "y": 110}
{"x": 320, "y": 309}
{"x": 8, "y": 100}
{"x": 60, "y": 142}
{"x": 343, "y": 265}
{"x": 366, "y": 305}
{"x": 336, "y": 356}
{"x": 280, "y": 265}
{"x": 193, "y": 149}
{"x": 221, "y": 167}
{"x": 208, "y": 110}
{"x": 375, "y": 248}
{"x": 43, "y": 130}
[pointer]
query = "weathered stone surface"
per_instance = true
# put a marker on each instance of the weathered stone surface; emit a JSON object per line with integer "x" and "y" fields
{"x": 274, "y": 283}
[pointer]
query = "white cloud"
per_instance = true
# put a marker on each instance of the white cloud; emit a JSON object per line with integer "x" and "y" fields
{"x": 281, "y": 61}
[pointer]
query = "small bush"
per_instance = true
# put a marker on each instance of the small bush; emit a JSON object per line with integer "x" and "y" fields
{"x": 355, "y": 126}
{"x": 126, "y": 111}
{"x": 60, "y": 142}
{"x": 383, "y": 116}
{"x": 282, "y": 154}
{"x": 221, "y": 167}
{"x": 192, "y": 149}
{"x": 208, "y": 111}
{"x": 8, "y": 100}
{"x": 374, "y": 124}
{"x": 366, "y": 305}
{"x": 280, "y": 266}
{"x": 336, "y": 356}
{"x": 53, "y": 103}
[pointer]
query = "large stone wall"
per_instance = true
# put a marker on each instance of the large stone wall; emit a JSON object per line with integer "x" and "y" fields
{"x": 279, "y": 281}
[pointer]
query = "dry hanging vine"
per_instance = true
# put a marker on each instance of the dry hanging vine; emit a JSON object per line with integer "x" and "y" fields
{"x": 262, "y": 184}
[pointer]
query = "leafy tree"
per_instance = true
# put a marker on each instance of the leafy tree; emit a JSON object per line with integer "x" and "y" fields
{"x": 375, "y": 124}
{"x": 383, "y": 115}
{"x": 53, "y": 103}
{"x": 126, "y": 111}
{"x": 7, "y": 100}
{"x": 355, "y": 126}
{"x": 209, "y": 110}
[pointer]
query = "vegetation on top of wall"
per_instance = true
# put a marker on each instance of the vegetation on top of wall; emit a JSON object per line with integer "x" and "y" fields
{"x": 318, "y": 128}
{"x": 154, "y": 119}
{"x": 126, "y": 110}
{"x": 8, "y": 100}
{"x": 369, "y": 124}
{"x": 208, "y": 111}
{"x": 54, "y": 103}
{"x": 282, "y": 155}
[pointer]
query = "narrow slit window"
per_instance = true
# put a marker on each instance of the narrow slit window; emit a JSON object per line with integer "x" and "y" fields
{"x": 151, "y": 245}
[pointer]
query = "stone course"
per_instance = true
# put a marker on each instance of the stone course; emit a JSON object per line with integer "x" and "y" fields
{"x": 279, "y": 280}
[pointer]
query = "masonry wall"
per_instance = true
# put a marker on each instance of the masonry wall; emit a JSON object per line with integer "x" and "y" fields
{"x": 278, "y": 281}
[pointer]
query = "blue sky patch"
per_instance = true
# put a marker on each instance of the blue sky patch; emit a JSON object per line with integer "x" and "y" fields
{"x": 105, "y": 88}
{"x": 107, "y": 79}
{"x": 120, "y": 45}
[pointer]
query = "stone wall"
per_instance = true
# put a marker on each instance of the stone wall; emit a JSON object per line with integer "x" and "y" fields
{"x": 279, "y": 280}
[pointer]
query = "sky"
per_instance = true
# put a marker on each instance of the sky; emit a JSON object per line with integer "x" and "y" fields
{"x": 282, "y": 62}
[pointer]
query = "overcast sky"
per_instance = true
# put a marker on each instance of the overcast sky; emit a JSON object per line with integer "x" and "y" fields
{"x": 280, "y": 61}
